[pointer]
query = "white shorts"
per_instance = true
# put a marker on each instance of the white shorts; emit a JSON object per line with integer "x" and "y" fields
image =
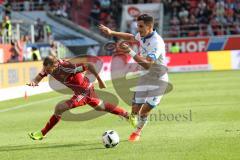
{"x": 150, "y": 92}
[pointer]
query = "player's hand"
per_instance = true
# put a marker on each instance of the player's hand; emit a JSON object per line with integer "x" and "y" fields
{"x": 102, "y": 85}
{"x": 105, "y": 30}
{"x": 32, "y": 84}
{"x": 125, "y": 47}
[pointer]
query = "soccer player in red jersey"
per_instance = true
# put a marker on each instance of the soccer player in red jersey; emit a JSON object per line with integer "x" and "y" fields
{"x": 71, "y": 75}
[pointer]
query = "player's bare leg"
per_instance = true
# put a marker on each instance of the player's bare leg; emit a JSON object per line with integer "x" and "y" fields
{"x": 54, "y": 119}
{"x": 136, "y": 108}
{"x": 134, "y": 114}
{"x": 142, "y": 121}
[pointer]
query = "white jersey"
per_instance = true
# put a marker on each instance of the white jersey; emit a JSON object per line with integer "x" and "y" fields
{"x": 153, "y": 46}
{"x": 149, "y": 89}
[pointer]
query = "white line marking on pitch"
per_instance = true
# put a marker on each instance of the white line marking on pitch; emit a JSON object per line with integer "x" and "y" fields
{"x": 29, "y": 104}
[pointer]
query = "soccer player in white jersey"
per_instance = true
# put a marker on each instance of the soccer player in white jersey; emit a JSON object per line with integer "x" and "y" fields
{"x": 151, "y": 58}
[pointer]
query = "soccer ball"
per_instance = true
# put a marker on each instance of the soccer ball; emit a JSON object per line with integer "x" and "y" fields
{"x": 110, "y": 139}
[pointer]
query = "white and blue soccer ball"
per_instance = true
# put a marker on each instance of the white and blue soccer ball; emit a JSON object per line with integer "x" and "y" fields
{"x": 110, "y": 139}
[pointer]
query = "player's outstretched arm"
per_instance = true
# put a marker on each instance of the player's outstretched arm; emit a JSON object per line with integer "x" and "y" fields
{"x": 92, "y": 69}
{"x": 107, "y": 31}
{"x": 35, "y": 81}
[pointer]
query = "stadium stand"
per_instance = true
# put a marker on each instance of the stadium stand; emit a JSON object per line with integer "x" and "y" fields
{"x": 182, "y": 18}
{"x": 203, "y": 18}
{"x": 31, "y": 19}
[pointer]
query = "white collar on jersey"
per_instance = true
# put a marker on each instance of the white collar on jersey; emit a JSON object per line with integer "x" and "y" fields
{"x": 147, "y": 36}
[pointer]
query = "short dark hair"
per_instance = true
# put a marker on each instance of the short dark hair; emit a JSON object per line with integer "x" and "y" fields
{"x": 147, "y": 19}
{"x": 49, "y": 60}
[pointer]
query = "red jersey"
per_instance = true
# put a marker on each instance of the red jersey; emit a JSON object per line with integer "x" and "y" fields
{"x": 71, "y": 75}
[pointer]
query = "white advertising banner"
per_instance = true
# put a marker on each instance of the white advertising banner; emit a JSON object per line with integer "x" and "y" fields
{"x": 130, "y": 12}
{"x": 235, "y": 59}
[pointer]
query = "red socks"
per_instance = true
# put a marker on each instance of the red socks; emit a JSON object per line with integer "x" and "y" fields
{"x": 116, "y": 110}
{"x": 108, "y": 108}
{"x": 51, "y": 123}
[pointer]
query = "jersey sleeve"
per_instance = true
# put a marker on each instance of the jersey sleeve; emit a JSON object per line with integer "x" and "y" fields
{"x": 155, "y": 51}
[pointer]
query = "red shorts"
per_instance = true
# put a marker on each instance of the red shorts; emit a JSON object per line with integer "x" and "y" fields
{"x": 89, "y": 98}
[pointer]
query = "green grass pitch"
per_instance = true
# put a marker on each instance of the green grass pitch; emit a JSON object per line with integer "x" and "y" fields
{"x": 205, "y": 126}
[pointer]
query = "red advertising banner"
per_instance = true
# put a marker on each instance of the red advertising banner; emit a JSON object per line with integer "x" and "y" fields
{"x": 176, "y": 62}
{"x": 232, "y": 43}
{"x": 187, "y": 59}
{"x": 181, "y": 59}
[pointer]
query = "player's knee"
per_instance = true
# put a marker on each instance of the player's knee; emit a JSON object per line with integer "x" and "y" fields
{"x": 135, "y": 112}
{"x": 98, "y": 108}
{"x": 136, "y": 108}
{"x": 60, "y": 108}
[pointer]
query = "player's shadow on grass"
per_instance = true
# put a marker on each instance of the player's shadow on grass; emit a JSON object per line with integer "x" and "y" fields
{"x": 54, "y": 146}
{"x": 45, "y": 146}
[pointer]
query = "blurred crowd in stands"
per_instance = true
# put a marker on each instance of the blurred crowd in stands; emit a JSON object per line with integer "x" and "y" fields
{"x": 18, "y": 44}
{"x": 109, "y": 12}
{"x": 182, "y": 18}
{"x": 185, "y": 17}
{"x": 60, "y": 6}
{"x": 189, "y": 18}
